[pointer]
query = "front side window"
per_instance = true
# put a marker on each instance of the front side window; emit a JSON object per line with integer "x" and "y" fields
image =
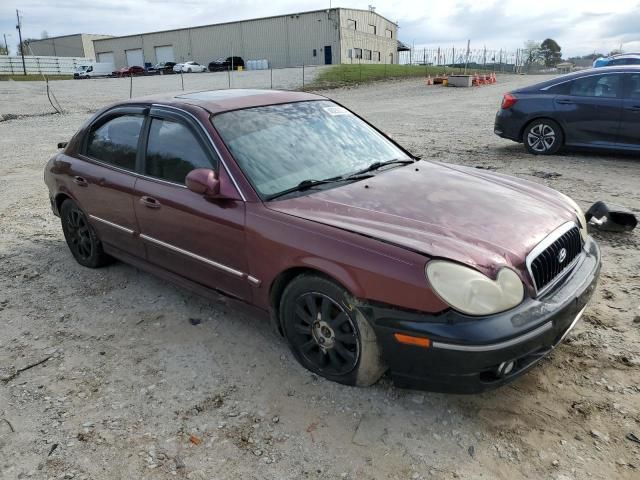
{"x": 116, "y": 141}
{"x": 173, "y": 151}
{"x": 279, "y": 146}
{"x": 603, "y": 86}
{"x": 634, "y": 86}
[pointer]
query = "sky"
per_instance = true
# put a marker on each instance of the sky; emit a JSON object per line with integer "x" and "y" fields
{"x": 579, "y": 26}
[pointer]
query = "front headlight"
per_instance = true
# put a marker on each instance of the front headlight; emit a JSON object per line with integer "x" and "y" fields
{"x": 580, "y": 214}
{"x": 471, "y": 292}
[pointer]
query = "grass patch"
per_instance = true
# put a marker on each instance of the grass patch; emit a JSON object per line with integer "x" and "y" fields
{"x": 361, "y": 73}
{"x": 34, "y": 77}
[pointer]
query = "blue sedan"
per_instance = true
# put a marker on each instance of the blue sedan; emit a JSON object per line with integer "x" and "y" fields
{"x": 596, "y": 108}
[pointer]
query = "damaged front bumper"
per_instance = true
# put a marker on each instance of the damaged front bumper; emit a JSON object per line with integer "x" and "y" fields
{"x": 473, "y": 354}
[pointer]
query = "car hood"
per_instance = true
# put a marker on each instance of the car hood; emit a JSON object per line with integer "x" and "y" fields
{"x": 482, "y": 219}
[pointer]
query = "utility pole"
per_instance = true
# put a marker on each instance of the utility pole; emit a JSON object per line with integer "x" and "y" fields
{"x": 19, "y": 27}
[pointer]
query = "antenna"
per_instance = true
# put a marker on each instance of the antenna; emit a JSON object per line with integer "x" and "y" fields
{"x": 372, "y": 9}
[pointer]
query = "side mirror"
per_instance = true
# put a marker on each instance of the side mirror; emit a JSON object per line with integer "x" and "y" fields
{"x": 611, "y": 218}
{"x": 203, "y": 181}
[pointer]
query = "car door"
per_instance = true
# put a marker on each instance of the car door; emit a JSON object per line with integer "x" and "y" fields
{"x": 630, "y": 124}
{"x": 184, "y": 232}
{"x": 102, "y": 178}
{"x": 591, "y": 110}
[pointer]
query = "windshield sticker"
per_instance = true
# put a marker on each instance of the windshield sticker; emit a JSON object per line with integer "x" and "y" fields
{"x": 336, "y": 111}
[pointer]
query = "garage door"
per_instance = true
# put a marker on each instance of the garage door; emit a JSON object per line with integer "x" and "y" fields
{"x": 106, "y": 57}
{"x": 135, "y": 58}
{"x": 164, "y": 54}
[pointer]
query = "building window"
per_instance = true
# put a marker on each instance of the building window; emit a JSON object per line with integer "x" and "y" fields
{"x": 388, "y": 33}
{"x": 351, "y": 24}
{"x": 367, "y": 54}
{"x": 357, "y": 53}
{"x": 350, "y": 53}
{"x": 315, "y": 52}
{"x": 376, "y": 56}
{"x": 373, "y": 29}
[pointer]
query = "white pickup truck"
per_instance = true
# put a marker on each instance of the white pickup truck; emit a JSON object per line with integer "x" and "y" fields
{"x": 90, "y": 70}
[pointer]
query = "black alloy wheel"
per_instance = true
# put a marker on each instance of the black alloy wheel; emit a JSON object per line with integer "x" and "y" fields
{"x": 327, "y": 333}
{"x": 80, "y": 236}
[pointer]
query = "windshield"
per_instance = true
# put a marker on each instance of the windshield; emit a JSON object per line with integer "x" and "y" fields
{"x": 279, "y": 146}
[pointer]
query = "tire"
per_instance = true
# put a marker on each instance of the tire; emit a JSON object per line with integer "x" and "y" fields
{"x": 327, "y": 334}
{"x": 189, "y": 70}
{"x": 81, "y": 238}
{"x": 543, "y": 137}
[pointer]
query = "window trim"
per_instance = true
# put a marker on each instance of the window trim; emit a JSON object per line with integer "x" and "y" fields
{"x": 157, "y": 113}
{"x": 355, "y": 24}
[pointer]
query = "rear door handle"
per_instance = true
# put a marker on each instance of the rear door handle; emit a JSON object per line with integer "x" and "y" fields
{"x": 149, "y": 202}
{"x": 564, "y": 102}
{"x": 80, "y": 181}
{"x": 633, "y": 108}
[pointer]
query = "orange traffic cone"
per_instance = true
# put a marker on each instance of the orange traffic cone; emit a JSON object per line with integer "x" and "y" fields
{"x": 428, "y": 80}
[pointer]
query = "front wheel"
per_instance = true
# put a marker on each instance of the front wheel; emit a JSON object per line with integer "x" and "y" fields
{"x": 543, "y": 137}
{"x": 328, "y": 334}
{"x": 82, "y": 240}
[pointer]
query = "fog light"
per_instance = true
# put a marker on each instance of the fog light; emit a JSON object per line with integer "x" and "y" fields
{"x": 505, "y": 368}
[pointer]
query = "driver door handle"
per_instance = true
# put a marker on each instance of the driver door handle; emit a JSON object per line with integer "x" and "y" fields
{"x": 149, "y": 202}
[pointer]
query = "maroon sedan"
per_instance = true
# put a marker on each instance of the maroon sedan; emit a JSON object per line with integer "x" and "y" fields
{"x": 366, "y": 258}
{"x": 128, "y": 71}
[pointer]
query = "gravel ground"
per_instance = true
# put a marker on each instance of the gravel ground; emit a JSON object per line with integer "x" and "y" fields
{"x": 103, "y": 374}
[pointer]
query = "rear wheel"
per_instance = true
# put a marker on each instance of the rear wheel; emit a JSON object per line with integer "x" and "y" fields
{"x": 543, "y": 137}
{"x": 81, "y": 238}
{"x": 328, "y": 334}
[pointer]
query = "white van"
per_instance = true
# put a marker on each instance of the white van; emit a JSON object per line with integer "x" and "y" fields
{"x": 100, "y": 69}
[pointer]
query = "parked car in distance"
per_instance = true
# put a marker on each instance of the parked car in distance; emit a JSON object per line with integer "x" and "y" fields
{"x": 92, "y": 70}
{"x": 617, "y": 60}
{"x": 128, "y": 71}
{"x": 596, "y": 108}
{"x": 363, "y": 257}
{"x": 162, "y": 68}
{"x": 189, "y": 67}
{"x": 224, "y": 64}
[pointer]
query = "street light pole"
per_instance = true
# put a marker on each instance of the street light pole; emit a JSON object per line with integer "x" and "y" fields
{"x": 18, "y": 26}
{"x": 6, "y": 45}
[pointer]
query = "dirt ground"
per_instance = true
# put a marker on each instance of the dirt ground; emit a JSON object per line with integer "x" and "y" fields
{"x": 103, "y": 374}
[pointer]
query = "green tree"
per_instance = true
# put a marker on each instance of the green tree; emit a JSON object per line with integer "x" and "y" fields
{"x": 550, "y": 52}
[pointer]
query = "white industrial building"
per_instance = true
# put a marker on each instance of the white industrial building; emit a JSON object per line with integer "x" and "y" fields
{"x": 320, "y": 37}
{"x": 78, "y": 45}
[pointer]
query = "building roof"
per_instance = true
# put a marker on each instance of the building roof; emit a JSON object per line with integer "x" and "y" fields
{"x": 251, "y": 20}
{"x": 71, "y": 35}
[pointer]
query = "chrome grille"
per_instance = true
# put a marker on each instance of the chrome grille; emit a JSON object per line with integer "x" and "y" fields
{"x": 554, "y": 256}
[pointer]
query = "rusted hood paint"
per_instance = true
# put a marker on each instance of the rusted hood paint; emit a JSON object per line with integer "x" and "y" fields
{"x": 478, "y": 218}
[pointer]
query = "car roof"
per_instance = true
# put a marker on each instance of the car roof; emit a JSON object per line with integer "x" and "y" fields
{"x": 582, "y": 73}
{"x": 218, "y": 101}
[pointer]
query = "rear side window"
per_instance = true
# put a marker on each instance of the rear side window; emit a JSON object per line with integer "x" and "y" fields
{"x": 173, "y": 151}
{"x": 603, "y": 86}
{"x": 116, "y": 141}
